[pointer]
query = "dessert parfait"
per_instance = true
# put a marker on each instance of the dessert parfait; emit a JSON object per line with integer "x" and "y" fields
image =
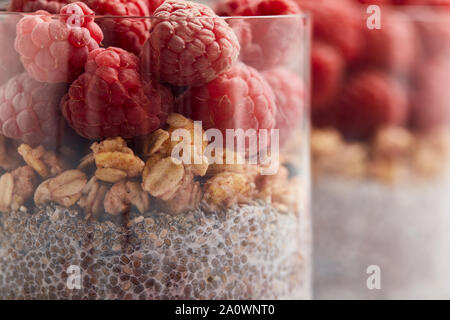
{"x": 153, "y": 150}
{"x": 380, "y": 149}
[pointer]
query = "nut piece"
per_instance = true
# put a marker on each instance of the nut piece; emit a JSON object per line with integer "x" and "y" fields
{"x": 65, "y": 189}
{"x": 92, "y": 197}
{"x": 161, "y": 144}
{"x": 279, "y": 190}
{"x": 187, "y": 197}
{"x": 163, "y": 178}
{"x": 6, "y": 192}
{"x": 44, "y": 162}
{"x": 16, "y": 188}
{"x": 393, "y": 143}
{"x": 228, "y": 188}
{"x": 114, "y": 154}
{"x": 124, "y": 193}
{"x": 8, "y": 160}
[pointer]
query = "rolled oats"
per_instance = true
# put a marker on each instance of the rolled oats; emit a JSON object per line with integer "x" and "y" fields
{"x": 45, "y": 163}
{"x": 123, "y": 194}
{"x": 228, "y": 188}
{"x": 187, "y": 196}
{"x": 15, "y": 192}
{"x": 93, "y": 195}
{"x": 114, "y": 154}
{"x": 65, "y": 189}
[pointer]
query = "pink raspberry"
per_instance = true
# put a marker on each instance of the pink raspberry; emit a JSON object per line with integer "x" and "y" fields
{"x": 56, "y": 50}
{"x": 289, "y": 92}
{"x": 265, "y": 43}
{"x": 327, "y": 67}
{"x": 430, "y": 94}
{"x": 394, "y": 46}
{"x": 51, "y": 6}
{"x": 188, "y": 45}
{"x": 340, "y": 23}
{"x": 238, "y": 99}
{"x": 29, "y": 110}
{"x": 110, "y": 100}
{"x": 128, "y": 34}
{"x": 153, "y": 5}
{"x": 370, "y": 100}
{"x": 10, "y": 64}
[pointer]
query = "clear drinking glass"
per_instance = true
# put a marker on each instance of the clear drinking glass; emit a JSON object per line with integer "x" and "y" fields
{"x": 380, "y": 195}
{"x": 88, "y": 213}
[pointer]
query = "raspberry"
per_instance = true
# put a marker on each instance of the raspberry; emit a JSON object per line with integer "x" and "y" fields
{"x": 264, "y": 42}
{"x": 56, "y": 50}
{"x": 289, "y": 92}
{"x": 339, "y": 23}
{"x": 430, "y": 94}
{"x": 128, "y": 34}
{"x": 10, "y": 64}
{"x": 238, "y": 99}
{"x": 189, "y": 44}
{"x": 153, "y": 5}
{"x": 327, "y": 74}
{"x": 371, "y": 99}
{"x": 394, "y": 45}
{"x": 51, "y": 6}
{"x": 110, "y": 100}
{"x": 29, "y": 110}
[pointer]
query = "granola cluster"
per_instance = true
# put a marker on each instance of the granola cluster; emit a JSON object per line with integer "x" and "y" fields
{"x": 113, "y": 178}
{"x": 394, "y": 154}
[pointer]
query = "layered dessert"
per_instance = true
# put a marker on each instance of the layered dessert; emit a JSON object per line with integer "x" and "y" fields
{"x": 380, "y": 149}
{"x": 150, "y": 158}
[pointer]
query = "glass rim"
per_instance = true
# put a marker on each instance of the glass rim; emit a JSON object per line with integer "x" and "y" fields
{"x": 306, "y": 15}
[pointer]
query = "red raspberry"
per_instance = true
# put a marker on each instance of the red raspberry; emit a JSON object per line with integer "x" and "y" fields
{"x": 153, "y": 5}
{"x": 264, "y": 42}
{"x": 238, "y": 99}
{"x": 110, "y": 100}
{"x": 289, "y": 92}
{"x": 339, "y": 23}
{"x": 189, "y": 44}
{"x": 10, "y": 64}
{"x": 128, "y": 34}
{"x": 371, "y": 99}
{"x": 394, "y": 45}
{"x": 56, "y": 50}
{"x": 29, "y": 110}
{"x": 376, "y": 2}
{"x": 327, "y": 74}
{"x": 430, "y": 94}
{"x": 51, "y": 6}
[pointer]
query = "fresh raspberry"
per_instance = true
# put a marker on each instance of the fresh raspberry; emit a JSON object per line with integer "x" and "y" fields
{"x": 128, "y": 34}
{"x": 238, "y": 99}
{"x": 51, "y": 6}
{"x": 265, "y": 43}
{"x": 110, "y": 100}
{"x": 376, "y": 2}
{"x": 327, "y": 67}
{"x": 422, "y": 2}
{"x": 153, "y": 5}
{"x": 394, "y": 45}
{"x": 188, "y": 45}
{"x": 430, "y": 95}
{"x": 10, "y": 64}
{"x": 289, "y": 91}
{"x": 56, "y": 50}
{"x": 371, "y": 99}
{"x": 29, "y": 110}
{"x": 435, "y": 34}
{"x": 339, "y": 23}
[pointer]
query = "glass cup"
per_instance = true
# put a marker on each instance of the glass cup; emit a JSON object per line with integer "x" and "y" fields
{"x": 380, "y": 155}
{"x": 156, "y": 172}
